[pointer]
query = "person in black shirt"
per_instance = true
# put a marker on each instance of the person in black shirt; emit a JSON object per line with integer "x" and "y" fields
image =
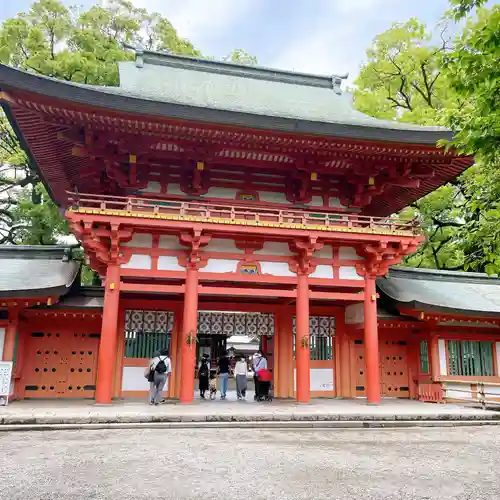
{"x": 223, "y": 367}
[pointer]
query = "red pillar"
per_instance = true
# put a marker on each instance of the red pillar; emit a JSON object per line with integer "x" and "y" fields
{"x": 10, "y": 336}
{"x": 106, "y": 361}
{"x": 188, "y": 338}
{"x": 371, "y": 344}
{"x": 302, "y": 355}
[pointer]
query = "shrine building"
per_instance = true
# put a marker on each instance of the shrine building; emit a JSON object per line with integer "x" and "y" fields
{"x": 217, "y": 200}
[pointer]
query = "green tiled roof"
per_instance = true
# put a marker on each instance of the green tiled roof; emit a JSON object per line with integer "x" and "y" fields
{"x": 246, "y": 89}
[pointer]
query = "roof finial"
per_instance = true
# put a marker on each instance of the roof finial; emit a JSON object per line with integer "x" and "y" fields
{"x": 337, "y": 82}
{"x": 139, "y": 56}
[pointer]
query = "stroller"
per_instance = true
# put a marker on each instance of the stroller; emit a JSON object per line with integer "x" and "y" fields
{"x": 264, "y": 392}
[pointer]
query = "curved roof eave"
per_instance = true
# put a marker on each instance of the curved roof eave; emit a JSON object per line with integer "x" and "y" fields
{"x": 116, "y": 99}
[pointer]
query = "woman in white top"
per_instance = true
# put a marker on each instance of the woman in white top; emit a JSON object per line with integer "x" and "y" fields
{"x": 160, "y": 368}
{"x": 240, "y": 373}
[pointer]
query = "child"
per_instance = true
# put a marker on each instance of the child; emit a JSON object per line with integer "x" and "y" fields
{"x": 213, "y": 384}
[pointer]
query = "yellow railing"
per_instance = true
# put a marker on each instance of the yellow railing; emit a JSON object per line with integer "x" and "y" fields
{"x": 240, "y": 214}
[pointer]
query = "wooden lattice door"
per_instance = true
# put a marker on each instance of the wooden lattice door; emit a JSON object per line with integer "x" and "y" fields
{"x": 394, "y": 378}
{"x": 60, "y": 365}
{"x": 394, "y": 368}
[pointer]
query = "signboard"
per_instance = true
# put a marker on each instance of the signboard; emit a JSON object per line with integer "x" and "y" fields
{"x": 321, "y": 379}
{"x": 5, "y": 381}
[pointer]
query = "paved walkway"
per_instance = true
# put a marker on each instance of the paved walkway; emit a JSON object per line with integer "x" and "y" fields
{"x": 130, "y": 411}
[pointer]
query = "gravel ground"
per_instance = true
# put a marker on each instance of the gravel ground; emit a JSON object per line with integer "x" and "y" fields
{"x": 438, "y": 463}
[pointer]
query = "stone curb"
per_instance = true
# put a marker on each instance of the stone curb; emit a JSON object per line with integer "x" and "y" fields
{"x": 284, "y": 425}
{"x": 167, "y": 418}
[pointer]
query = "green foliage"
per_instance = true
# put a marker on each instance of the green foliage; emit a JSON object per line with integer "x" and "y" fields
{"x": 462, "y": 7}
{"x": 411, "y": 77}
{"x": 240, "y": 56}
{"x": 402, "y": 78}
{"x": 471, "y": 70}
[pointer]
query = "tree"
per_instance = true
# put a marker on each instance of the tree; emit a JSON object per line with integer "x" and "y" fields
{"x": 80, "y": 46}
{"x": 471, "y": 71}
{"x": 402, "y": 80}
{"x": 414, "y": 76}
{"x": 462, "y": 7}
{"x": 240, "y": 56}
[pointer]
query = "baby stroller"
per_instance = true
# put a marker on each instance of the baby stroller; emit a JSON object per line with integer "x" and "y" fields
{"x": 264, "y": 392}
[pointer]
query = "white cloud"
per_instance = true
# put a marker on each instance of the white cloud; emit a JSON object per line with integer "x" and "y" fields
{"x": 200, "y": 20}
{"x": 334, "y": 44}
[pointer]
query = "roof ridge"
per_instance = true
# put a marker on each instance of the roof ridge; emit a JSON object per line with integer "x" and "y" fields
{"x": 442, "y": 275}
{"x": 144, "y": 56}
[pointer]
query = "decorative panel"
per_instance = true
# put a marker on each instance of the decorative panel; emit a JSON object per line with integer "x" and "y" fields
{"x": 229, "y": 323}
{"x": 147, "y": 332}
{"x": 321, "y": 333}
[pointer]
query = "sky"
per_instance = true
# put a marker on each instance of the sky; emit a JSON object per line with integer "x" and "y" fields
{"x": 315, "y": 36}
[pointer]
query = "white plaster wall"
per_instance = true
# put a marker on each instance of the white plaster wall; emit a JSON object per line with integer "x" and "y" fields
{"x": 170, "y": 243}
{"x": 276, "y": 268}
{"x": 355, "y": 314}
{"x": 320, "y": 379}
{"x": 272, "y": 197}
{"x": 2, "y": 341}
{"x": 220, "y": 192}
{"x": 458, "y": 391}
{"x": 169, "y": 263}
{"x": 348, "y": 253}
{"x": 322, "y": 271}
{"x": 220, "y": 245}
{"x": 442, "y": 357}
{"x": 140, "y": 240}
{"x": 220, "y": 266}
{"x": 174, "y": 189}
{"x": 492, "y": 391}
{"x": 324, "y": 253}
{"x": 274, "y": 248}
{"x": 349, "y": 273}
{"x": 152, "y": 187}
{"x": 316, "y": 201}
{"x": 133, "y": 379}
{"x": 335, "y": 203}
{"x": 138, "y": 261}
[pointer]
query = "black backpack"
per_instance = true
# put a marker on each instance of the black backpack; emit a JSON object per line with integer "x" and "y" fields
{"x": 203, "y": 371}
{"x": 161, "y": 367}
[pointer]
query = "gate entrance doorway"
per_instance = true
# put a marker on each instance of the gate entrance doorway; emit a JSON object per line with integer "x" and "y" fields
{"x": 220, "y": 331}
{"x": 238, "y": 334}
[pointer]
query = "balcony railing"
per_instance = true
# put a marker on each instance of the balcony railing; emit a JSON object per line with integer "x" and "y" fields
{"x": 240, "y": 214}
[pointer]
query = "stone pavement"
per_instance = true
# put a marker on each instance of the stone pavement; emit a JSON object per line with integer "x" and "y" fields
{"x": 136, "y": 411}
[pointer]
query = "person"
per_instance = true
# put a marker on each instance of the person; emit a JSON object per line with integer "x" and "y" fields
{"x": 240, "y": 373}
{"x": 213, "y": 384}
{"x": 203, "y": 375}
{"x": 259, "y": 363}
{"x": 223, "y": 365}
{"x": 160, "y": 368}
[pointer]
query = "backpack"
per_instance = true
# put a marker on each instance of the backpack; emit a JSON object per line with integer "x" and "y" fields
{"x": 161, "y": 367}
{"x": 203, "y": 371}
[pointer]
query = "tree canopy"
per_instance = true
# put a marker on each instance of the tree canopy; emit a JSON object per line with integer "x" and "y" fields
{"x": 424, "y": 77}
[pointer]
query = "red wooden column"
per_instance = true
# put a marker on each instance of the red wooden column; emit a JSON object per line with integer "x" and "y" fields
{"x": 188, "y": 337}
{"x": 10, "y": 335}
{"x": 106, "y": 361}
{"x": 302, "y": 356}
{"x": 371, "y": 343}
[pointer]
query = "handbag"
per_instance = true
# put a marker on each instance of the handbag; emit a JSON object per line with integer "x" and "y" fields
{"x": 149, "y": 374}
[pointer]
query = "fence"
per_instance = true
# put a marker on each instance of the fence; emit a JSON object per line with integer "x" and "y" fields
{"x": 240, "y": 213}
